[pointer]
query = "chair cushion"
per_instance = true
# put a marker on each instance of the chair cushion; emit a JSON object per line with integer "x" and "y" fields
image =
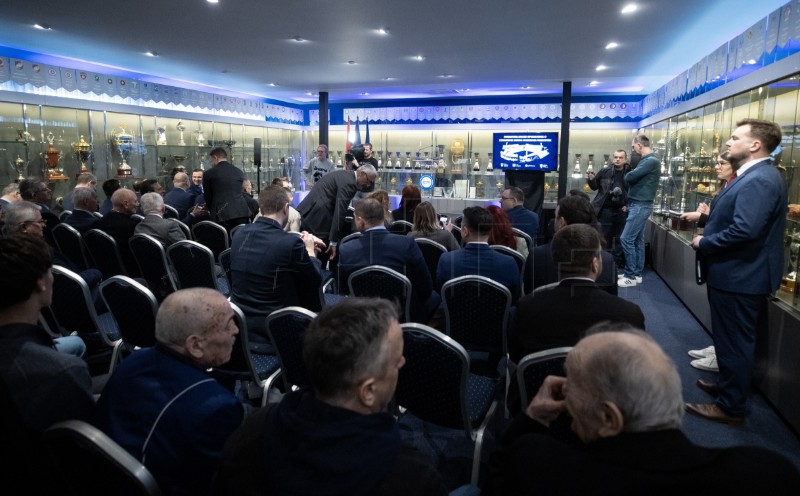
{"x": 480, "y": 393}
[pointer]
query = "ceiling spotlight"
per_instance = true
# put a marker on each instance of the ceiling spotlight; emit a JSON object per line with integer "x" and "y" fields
{"x": 364, "y": 93}
{"x": 751, "y": 61}
{"x": 601, "y": 68}
{"x": 387, "y": 78}
{"x": 594, "y": 83}
{"x": 629, "y": 9}
{"x": 299, "y": 39}
{"x": 526, "y": 87}
{"x": 419, "y": 58}
{"x": 446, "y": 76}
{"x": 151, "y": 54}
{"x": 42, "y": 26}
{"x": 272, "y": 84}
{"x": 212, "y": 1}
{"x": 611, "y": 45}
{"x": 311, "y": 94}
{"x": 383, "y": 31}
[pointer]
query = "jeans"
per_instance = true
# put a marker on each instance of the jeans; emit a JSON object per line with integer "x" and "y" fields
{"x": 632, "y": 238}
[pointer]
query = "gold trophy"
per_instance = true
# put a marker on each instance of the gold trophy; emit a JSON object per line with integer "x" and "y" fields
{"x": 83, "y": 151}
{"x": 179, "y": 159}
{"x": 53, "y": 155}
{"x": 123, "y": 142}
{"x": 457, "y": 149}
{"x": 19, "y": 166}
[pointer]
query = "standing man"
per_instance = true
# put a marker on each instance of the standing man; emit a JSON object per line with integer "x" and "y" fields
{"x": 317, "y": 166}
{"x": 368, "y": 157}
{"x": 643, "y": 181}
{"x": 610, "y": 203}
{"x": 742, "y": 244}
{"x": 324, "y": 209}
{"x": 223, "y": 191}
{"x": 512, "y": 202}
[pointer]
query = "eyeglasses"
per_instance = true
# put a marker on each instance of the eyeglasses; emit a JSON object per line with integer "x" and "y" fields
{"x": 505, "y": 198}
{"x": 41, "y": 222}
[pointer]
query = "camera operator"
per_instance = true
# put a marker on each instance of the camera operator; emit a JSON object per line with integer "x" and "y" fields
{"x": 611, "y": 202}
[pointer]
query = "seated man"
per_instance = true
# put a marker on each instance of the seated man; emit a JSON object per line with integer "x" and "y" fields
{"x": 286, "y": 274}
{"x": 512, "y": 202}
{"x": 82, "y": 217}
{"x": 120, "y": 225}
{"x": 86, "y": 180}
{"x": 154, "y": 223}
{"x": 109, "y": 187}
{"x": 378, "y": 246}
{"x": 623, "y": 395}
{"x": 539, "y": 267}
{"x": 180, "y": 197}
{"x": 335, "y": 437}
{"x": 161, "y": 404}
{"x": 294, "y": 216}
{"x": 40, "y": 194}
{"x": 39, "y": 386}
{"x": 477, "y": 258}
{"x": 252, "y": 203}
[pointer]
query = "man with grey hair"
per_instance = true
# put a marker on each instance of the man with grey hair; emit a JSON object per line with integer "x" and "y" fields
{"x": 162, "y": 405}
{"x": 155, "y": 224}
{"x": 82, "y": 217}
{"x": 622, "y": 394}
{"x": 10, "y": 195}
{"x": 338, "y": 429}
{"x": 85, "y": 180}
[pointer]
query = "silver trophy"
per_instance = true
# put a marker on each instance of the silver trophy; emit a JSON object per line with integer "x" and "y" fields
{"x": 181, "y": 128}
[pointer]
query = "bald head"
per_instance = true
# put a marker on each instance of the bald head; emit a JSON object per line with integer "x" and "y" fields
{"x": 124, "y": 201}
{"x": 181, "y": 180}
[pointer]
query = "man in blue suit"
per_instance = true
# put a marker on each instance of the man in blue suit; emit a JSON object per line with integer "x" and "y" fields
{"x": 82, "y": 217}
{"x": 477, "y": 258}
{"x": 742, "y": 245}
{"x": 180, "y": 197}
{"x": 377, "y": 246}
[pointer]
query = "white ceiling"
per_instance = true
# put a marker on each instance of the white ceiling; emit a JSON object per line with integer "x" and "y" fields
{"x": 487, "y": 47}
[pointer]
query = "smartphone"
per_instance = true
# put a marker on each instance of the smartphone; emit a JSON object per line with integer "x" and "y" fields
{"x": 443, "y": 220}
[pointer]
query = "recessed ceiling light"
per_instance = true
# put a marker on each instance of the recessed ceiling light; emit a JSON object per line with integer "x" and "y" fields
{"x": 611, "y": 45}
{"x": 151, "y": 54}
{"x": 387, "y": 78}
{"x": 42, "y": 26}
{"x": 311, "y": 94}
{"x": 594, "y": 83}
{"x": 462, "y": 90}
{"x": 351, "y": 62}
{"x": 383, "y": 31}
{"x": 630, "y": 8}
{"x": 751, "y": 61}
{"x": 601, "y": 68}
{"x": 446, "y": 76}
{"x": 212, "y": 1}
{"x": 299, "y": 39}
{"x": 272, "y": 84}
{"x": 419, "y": 58}
{"x": 364, "y": 93}
{"x": 525, "y": 88}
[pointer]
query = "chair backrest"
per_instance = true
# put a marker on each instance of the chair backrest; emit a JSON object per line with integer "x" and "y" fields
{"x": 63, "y": 215}
{"x": 186, "y": 231}
{"x": 533, "y": 368}
{"x": 401, "y": 227}
{"x": 70, "y": 242}
{"x": 137, "y": 216}
{"x": 193, "y": 266}
{"x": 476, "y": 312}
{"x": 236, "y": 228}
{"x": 98, "y": 215}
{"x": 350, "y": 237}
{"x": 382, "y": 282}
{"x": 456, "y": 232}
{"x": 432, "y": 252}
{"x": 286, "y": 328}
{"x": 103, "y": 250}
{"x": 225, "y": 263}
{"x": 87, "y": 459}
{"x": 171, "y": 212}
{"x": 214, "y": 236}
{"x": 133, "y": 307}
{"x": 522, "y": 234}
{"x": 517, "y": 256}
{"x": 74, "y": 308}
{"x": 152, "y": 260}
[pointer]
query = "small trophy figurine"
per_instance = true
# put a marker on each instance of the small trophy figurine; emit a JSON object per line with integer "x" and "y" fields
{"x": 476, "y": 167}
{"x": 181, "y": 128}
{"x": 199, "y": 137}
{"x": 417, "y": 164}
{"x": 605, "y": 158}
{"x": 577, "y": 170}
{"x": 393, "y": 182}
{"x": 161, "y": 136}
{"x": 408, "y": 160}
{"x": 398, "y": 164}
{"x": 590, "y": 165}
{"x": 19, "y": 166}
{"x": 489, "y": 167}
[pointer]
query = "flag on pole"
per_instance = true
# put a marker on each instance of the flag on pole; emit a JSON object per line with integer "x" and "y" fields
{"x": 348, "y": 138}
{"x": 357, "y": 140}
{"x": 366, "y": 138}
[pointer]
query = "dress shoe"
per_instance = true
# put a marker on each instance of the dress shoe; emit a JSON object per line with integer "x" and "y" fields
{"x": 708, "y": 387}
{"x": 712, "y": 412}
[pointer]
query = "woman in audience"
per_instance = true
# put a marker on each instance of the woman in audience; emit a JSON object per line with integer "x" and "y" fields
{"x": 426, "y": 225}
{"x": 383, "y": 197}
{"x": 501, "y": 233}
{"x": 409, "y": 200}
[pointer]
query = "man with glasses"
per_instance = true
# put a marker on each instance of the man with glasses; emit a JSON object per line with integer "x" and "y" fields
{"x": 512, "y": 202}
{"x": 39, "y": 193}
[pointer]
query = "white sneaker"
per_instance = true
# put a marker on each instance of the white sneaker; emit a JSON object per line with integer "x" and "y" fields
{"x": 704, "y": 353}
{"x": 708, "y": 363}
{"x": 626, "y": 283}
{"x": 638, "y": 279}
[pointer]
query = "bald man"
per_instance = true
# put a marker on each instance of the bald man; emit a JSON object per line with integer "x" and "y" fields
{"x": 180, "y": 197}
{"x": 120, "y": 225}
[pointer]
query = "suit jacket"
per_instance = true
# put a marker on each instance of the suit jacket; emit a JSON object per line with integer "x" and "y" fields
{"x": 325, "y": 207}
{"x": 529, "y": 460}
{"x": 164, "y": 230}
{"x": 380, "y": 247}
{"x": 181, "y": 200}
{"x": 222, "y": 185}
{"x": 51, "y": 220}
{"x": 121, "y": 227}
{"x": 743, "y": 237}
{"x": 541, "y": 270}
{"x": 81, "y": 220}
{"x": 270, "y": 279}
{"x": 556, "y": 316}
{"x": 525, "y": 220}
{"x": 480, "y": 260}
{"x": 252, "y": 204}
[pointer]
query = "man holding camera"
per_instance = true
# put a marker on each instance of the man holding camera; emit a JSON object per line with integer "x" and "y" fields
{"x": 610, "y": 203}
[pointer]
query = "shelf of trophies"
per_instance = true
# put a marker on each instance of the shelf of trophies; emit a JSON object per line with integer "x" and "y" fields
{"x": 789, "y": 290}
{"x": 579, "y": 177}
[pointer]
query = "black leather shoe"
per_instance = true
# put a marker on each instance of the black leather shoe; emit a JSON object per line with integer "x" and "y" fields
{"x": 712, "y": 412}
{"x": 708, "y": 387}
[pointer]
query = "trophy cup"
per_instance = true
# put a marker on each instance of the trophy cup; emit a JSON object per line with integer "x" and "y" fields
{"x": 123, "y": 141}
{"x": 380, "y": 161}
{"x": 199, "y": 137}
{"x": 605, "y": 160}
{"x": 440, "y": 164}
{"x": 179, "y": 159}
{"x": 398, "y": 164}
{"x": 393, "y": 182}
{"x": 164, "y": 170}
{"x": 457, "y": 149}
{"x": 489, "y": 167}
{"x": 479, "y": 190}
{"x": 427, "y": 160}
{"x": 576, "y": 172}
{"x": 590, "y": 165}
{"x": 339, "y": 164}
{"x": 83, "y": 151}
{"x": 476, "y": 167}
{"x": 53, "y": 155}
{"x": 271, "y": 164}
{"x": 408, "y": 160}
{"x": 19, "y": 166}
{"x": 181, "y": 128}
{"x": 409, "y": 181}
{"x": 161, "y": 136}
{"x": 417, "y": 164}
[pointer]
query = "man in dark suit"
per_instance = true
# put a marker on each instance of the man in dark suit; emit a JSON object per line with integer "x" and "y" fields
{"x": 377, "y": 246}
{"x": 564, "y": 311}
{"x": 512, "y": 202}
{"x": 82, "y": 217}
{"x": 154, "y": 223}
{"x": 623, "y": 395}
{"x": 222, "y": 185}
{"x": 120, "y": 225}
{"x": 742, "y": 244}
{"x": 196, "y": 187}
{"x": 85, "y": 180}
{"x": 180, "y": 197}
{"x": 540, "y": 269}
{"x": 325, "y": 207}
{"x": 477, "y": 258}
{"x": 38, "y": 192}
{"x": 286, "y": 274}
